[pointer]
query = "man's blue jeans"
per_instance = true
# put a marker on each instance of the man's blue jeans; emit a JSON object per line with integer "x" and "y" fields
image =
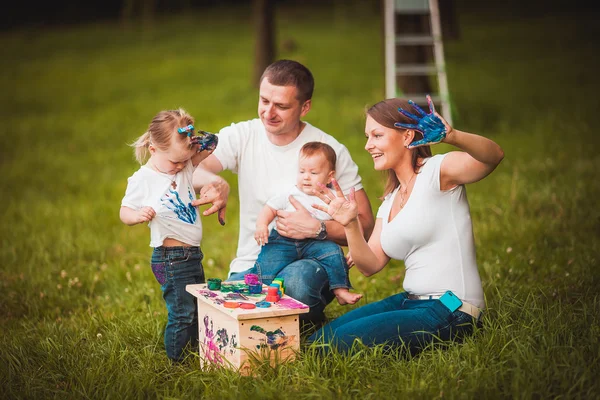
{"x": 282, "y": 251}
{"x": 305, "y": 281}
{"x": 395, "y": 321}
{"x": 174, "y": 268}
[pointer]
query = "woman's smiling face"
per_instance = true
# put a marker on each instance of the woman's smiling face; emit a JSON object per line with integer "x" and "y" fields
{"x": 385, "y": 145}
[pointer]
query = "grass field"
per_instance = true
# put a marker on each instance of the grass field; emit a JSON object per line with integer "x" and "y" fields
{"x": 81, "y": 313}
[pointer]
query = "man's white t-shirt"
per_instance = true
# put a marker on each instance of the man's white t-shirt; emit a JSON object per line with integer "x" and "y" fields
{"x": 264, "y": 169}
{"x": 433, "y": 234}
{"x": 170, "y": 196}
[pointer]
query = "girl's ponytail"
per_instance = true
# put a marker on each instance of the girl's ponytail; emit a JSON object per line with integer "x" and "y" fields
{"x": 141, "y": 147}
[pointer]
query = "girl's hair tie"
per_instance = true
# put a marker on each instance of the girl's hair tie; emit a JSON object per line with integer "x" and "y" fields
{"x": 188, "y": 130}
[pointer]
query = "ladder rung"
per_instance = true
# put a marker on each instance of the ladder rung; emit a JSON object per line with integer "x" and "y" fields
{"x": 412, "y": 12}
{"x": 414, "y": 40}
{"x": 416, "y": 69}
{"x": 411, "y": 6}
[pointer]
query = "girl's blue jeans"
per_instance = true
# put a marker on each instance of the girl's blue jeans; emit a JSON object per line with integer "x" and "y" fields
{"x": 174, "y": 268}
{"x": 396, "y": 321}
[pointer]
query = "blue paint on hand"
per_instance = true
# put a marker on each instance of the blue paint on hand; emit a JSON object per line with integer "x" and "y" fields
{"x": 430, "y": 125}
{"x": 207, "y": 141}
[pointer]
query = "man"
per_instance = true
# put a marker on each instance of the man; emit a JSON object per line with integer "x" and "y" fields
{"x": 264, "y": 153}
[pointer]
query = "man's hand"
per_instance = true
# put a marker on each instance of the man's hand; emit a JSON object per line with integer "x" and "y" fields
{"x": 299, "y": 224}
{"x": 217, "y": 194}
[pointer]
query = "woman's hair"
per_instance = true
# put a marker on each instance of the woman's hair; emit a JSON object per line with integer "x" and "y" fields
{"x": 291, "y": 73}
{"x": 386, "y": 114}
{"x": 312, "y": 148}
{"x": 160, "y": 131}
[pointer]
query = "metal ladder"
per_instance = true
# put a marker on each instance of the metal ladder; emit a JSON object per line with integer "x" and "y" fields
{"x": 434, "y": 38}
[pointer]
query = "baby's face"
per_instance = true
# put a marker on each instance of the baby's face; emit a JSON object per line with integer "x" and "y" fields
{"x": 311, "y": 170}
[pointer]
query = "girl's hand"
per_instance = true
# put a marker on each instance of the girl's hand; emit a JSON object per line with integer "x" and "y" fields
{"x": 261, "y": 235}
{"x": 433, "y": 127}
{"x": 343, "y": 210}
{"x": 145, "y": 214}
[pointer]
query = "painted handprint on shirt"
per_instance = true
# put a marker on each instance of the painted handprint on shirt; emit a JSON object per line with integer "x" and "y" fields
{"x": 184, "y": 212}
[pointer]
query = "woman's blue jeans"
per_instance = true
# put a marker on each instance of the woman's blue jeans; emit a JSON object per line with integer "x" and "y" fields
{"x": 396, "y": 321}
{"x": 174, "y": 268}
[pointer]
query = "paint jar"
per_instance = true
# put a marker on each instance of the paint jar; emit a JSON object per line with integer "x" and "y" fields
{"x": 282, "y": 286}
{"x": 251, "y": 279}
{"x": 254, "y": 288}
{"x": 279, "y": 287}
{"x": 226, "y": 287}
{"x": 214, "y": 284}
{"x": 272, "y": 294}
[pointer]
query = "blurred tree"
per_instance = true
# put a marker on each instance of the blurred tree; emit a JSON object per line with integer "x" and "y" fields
{"x": 131, "y": 8}
{"x": 264, "y": 28}
{"x": 449, "y": 20}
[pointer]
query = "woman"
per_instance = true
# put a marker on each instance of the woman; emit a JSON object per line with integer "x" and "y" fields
{"x": 424, "y": 220}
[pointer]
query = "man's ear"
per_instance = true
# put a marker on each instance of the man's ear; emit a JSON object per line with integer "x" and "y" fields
{"x": 305, "y": 107}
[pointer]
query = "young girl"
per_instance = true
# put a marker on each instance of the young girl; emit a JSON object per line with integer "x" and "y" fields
{"x": 316, "y": 164}
{"x": 160, "y": 193}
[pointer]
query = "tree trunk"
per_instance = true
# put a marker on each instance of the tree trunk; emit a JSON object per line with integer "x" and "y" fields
{"x": 264, "y": 27}
{"x": 449, "y": 20}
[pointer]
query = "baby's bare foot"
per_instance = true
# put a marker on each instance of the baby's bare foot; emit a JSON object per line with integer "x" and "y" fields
{"x": 344, "y": 296}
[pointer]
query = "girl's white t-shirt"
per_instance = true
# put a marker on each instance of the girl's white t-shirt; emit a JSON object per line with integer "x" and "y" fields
{"x": 170, "y": 196}
{"x": 433, "y": 234}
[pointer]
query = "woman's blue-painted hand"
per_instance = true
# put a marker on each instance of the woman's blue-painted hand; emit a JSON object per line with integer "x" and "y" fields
{"x": 432, "y": 126}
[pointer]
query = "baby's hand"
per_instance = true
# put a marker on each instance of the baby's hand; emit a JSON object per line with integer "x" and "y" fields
{"x": 145, "y": 214}
{"x": 262, "y": 235}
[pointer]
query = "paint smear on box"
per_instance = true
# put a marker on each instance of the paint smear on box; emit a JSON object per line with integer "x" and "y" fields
{"x": 290, "y": 304}
{"x": 211, "y": 350}
{"x": 272, "y": 339}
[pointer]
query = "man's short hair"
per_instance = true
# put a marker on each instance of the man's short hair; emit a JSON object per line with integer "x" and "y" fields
{"x": 291, "y": 73}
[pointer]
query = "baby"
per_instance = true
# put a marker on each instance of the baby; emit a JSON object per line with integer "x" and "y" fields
{"x": 316, "y": 165}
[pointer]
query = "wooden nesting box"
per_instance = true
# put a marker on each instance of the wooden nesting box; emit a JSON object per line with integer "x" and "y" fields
{"x": 229, "y": 337}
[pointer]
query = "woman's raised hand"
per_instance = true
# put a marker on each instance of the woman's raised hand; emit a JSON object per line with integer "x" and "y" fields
{"x": 433, "y": 127}
{"x": 343, "y": 210}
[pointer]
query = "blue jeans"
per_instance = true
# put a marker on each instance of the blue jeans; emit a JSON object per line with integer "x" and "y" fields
{"x": 396, "y": 321}
{"x": 306, "y": 281}
{"x": 282, "y": 251}
{"x": 174, "y": 268}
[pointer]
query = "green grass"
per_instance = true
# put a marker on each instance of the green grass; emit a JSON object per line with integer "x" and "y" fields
{"x": 81, "y": 314}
